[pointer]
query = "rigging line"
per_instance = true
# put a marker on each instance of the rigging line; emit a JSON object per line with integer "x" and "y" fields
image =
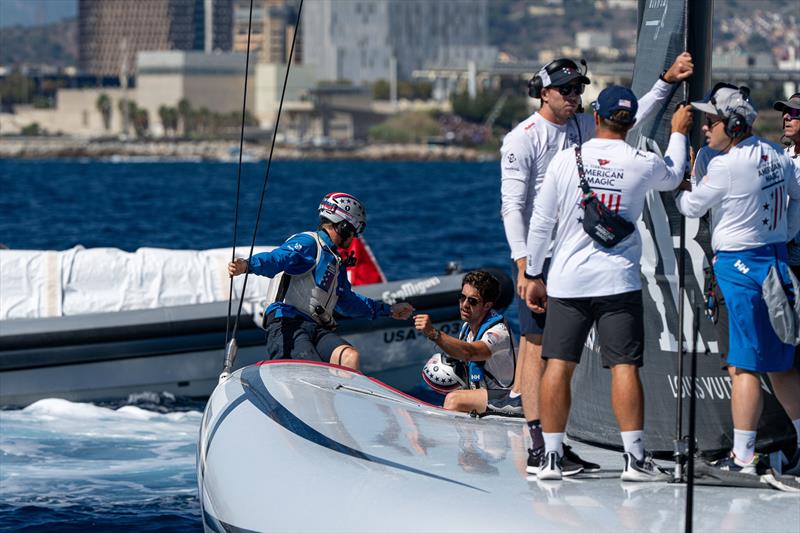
{"x": 269, "y": 164}
{"x": 239, "y": 172}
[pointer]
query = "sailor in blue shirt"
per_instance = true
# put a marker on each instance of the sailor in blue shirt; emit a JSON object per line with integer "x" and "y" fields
{"x": 300, "y": 323}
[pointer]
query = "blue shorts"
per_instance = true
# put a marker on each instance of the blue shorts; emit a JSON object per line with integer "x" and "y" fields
{"x": 754, "y": 345}
{"x": 530, "y": 322}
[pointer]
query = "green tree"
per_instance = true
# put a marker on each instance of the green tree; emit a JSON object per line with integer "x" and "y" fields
{"x": 103, "y": 105}
{"x": 165, "y": 116}
{"x": 32, "y": 130}
{"x": 380, "y": 90}
{"x": 141, "y": 121}
{"x": 185, "y": 114}
{"x": 16, "y": 88}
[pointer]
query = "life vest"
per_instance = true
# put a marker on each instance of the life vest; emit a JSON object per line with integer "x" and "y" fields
{"x": 314, "y": 291}
{"x": 496, "y": 372}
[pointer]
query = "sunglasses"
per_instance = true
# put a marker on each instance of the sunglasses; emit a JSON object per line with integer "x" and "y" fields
{"x": 566, "y": 90}
{"x": 471, "y": 300}
{"x": 794, "y": 114}
{"x": 711, "y": 122}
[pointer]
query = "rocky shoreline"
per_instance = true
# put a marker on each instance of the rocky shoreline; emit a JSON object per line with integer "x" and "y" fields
{"x": 71, "y": 148}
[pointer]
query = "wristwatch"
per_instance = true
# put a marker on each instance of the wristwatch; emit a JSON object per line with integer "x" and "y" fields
{"x": 436, "y": 335}
{"x": 662, "y": 78}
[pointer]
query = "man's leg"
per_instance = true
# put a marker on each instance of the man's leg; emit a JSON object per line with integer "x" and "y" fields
{"x": 569, "y": 322}
{"x": 345, "y": 355}
{"x": 627, "y": 400}
{"x": 335, "y": 350}
{"x": 746, "y": 406}
{"x": 555, "y": 396}
{"x": 467, "y": 401}
{"x": 530, "y": 358}
{"x": 530, "y": 367}
{"x": 787, "y": 390}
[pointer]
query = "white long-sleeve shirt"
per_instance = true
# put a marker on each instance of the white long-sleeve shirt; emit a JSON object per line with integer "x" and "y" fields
{"x": 621, "y": 176}
{"x": 753, "y": 192}
{"x": 527, "y": 151}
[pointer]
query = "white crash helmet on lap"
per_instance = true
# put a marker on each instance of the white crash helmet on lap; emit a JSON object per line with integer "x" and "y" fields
{"x": 444, "y": 374}
{"x": 340, "y": 206}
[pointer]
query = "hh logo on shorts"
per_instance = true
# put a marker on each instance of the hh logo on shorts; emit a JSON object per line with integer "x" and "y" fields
{"x": 741, "y": 267}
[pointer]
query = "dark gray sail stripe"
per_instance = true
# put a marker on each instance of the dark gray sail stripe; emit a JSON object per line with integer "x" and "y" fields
{"x": 218, "y": 526}
{"x": 257, "y": 393}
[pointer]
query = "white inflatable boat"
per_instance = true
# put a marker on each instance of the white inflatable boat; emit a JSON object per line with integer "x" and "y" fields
{"x": 294, "y": 446}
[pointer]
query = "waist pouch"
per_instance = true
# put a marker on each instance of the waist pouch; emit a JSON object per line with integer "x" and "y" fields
{"x": 783, "y": 305}
{"x": 599, "y": 222}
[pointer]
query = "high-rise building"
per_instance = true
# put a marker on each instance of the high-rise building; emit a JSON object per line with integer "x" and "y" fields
{"x": 272, "y": 30}
{"x": 111, "y": 32}
{"x": 363, "y": 40}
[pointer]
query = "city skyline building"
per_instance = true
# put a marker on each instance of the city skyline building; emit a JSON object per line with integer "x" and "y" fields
{"x": 112, "y": 32}
{"x": 364, "y": 41}
{"x": 273, "y": 28}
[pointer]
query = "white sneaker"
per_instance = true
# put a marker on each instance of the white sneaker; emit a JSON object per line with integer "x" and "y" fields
{"x": 644, "y": 470}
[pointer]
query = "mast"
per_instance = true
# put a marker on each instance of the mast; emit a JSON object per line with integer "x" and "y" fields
{"x": 699, "y": 32}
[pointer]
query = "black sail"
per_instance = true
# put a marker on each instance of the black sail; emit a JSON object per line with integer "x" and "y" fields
{"x": 662, "y": 34}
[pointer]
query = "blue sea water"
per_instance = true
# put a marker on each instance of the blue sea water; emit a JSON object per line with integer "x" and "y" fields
{"x": 73, "y": 467}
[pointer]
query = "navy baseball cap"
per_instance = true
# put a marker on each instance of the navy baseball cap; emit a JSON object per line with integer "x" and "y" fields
{"x": 613, "y": 99}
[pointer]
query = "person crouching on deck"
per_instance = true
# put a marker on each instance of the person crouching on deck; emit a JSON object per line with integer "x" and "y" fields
{"x": 300, "y": 322}
{"x": 483, "y": 346}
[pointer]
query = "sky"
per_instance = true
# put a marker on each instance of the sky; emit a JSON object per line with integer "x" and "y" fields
{"x": 34, "y": 12}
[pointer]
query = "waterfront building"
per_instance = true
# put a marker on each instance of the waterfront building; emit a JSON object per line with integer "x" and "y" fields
{"x": 362, "y": 41}
{"x": 273, "y": 28}
{"x": 111, "y": 33}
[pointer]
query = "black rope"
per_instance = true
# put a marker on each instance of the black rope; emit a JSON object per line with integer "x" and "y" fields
{"x": 269, "y": 164}
{"x": 239, "y": 172}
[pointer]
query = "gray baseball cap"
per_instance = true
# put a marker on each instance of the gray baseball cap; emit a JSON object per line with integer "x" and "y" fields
{"x": 793, "y": 102}
{"x": 727, "y": 101}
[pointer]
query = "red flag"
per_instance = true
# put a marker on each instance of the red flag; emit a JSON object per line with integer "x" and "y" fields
{"x": 366, "y": 270}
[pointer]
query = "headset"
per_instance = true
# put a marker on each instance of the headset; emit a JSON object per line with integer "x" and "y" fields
{"x": 735, "y": 122}
{"x": 536, "y": 83}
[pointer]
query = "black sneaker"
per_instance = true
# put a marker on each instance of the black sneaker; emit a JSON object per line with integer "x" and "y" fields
{"x": 534, "y": 459}
{"x": 792, "y": 468}
{"x": 563, "y": 467}
{"x": 644, "y": 470}
{"x": 732, "y": 464}
{"x": 588, "y": 466}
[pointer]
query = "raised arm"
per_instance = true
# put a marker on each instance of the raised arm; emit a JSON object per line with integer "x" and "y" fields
{"x": 661, "y": 91}
{"x": 669, "y": 173}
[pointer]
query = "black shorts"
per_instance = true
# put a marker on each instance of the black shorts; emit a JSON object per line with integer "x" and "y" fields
{"x": 530, "y": 322}
{"x": 295, "y": 338}
{"x": 500, "y": 402}
{"x": 619, "y": 321}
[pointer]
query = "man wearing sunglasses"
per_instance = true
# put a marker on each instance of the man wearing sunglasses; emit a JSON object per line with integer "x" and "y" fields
{"x": 299, "y": 323}
{"x": 526, "y": 152}
{"x": 753, "y": 192}
{"x": 791, "y": 137}
{"x": 484, "y": 344}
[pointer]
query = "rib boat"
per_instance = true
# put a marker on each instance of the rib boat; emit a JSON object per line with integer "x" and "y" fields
{"x": 102, "y": 324}
{"x": 298, "y": 446}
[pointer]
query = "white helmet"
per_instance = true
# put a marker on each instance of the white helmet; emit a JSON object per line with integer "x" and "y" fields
{"x": 444, "y": 374}
{"x": 340, "y": 206}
